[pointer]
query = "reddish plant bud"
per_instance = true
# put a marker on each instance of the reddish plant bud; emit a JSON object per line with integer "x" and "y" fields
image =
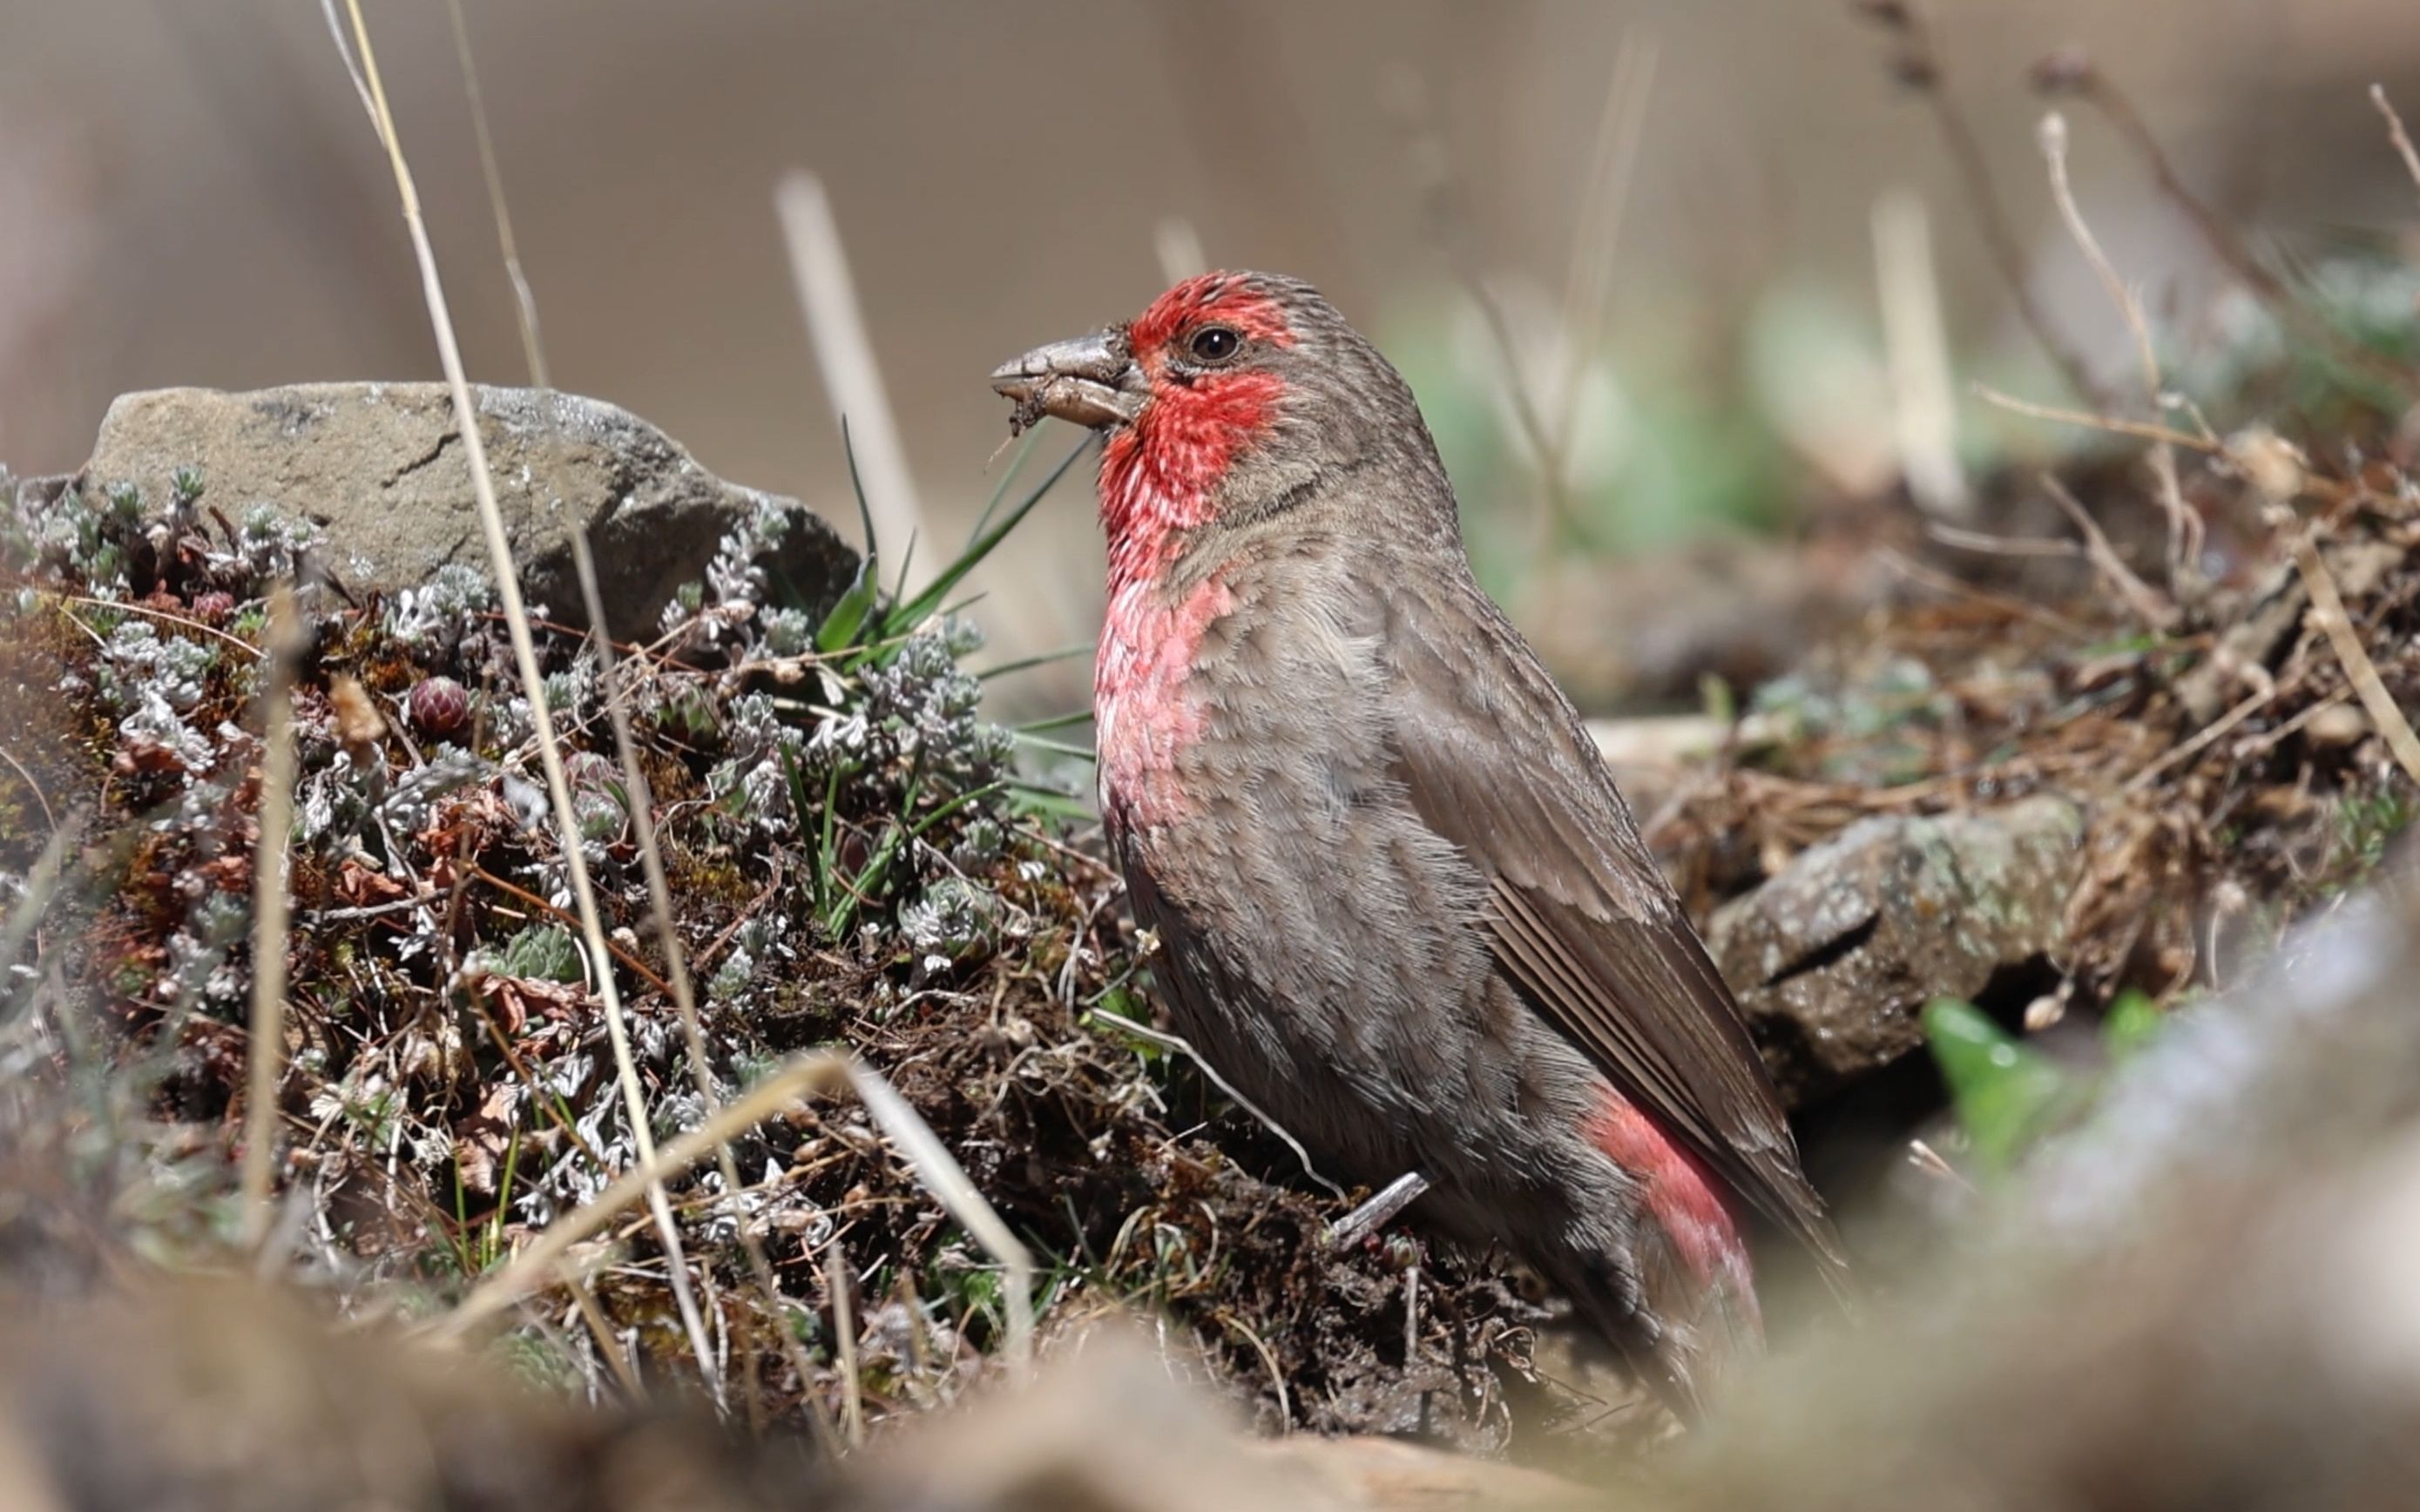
{"x": 439, "y": 707}
{"x": 212, "y": 607}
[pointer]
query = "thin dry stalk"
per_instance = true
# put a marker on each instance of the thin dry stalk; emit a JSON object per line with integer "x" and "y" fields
{"x": 524, "y": 303}
{"x": 1448, "y": 223}
{"x": 2271, "y": 290}
{"x": 40, "y": 884}
{"x": 1587, "y": 288}
{"x": 1378, "y": 1211}
{"x": 531, "y": 1267}
{"x": 608, "y": 1344}
{"x": 1185, "y": 1047}
{"x": 1921, "y": 66}
{"x": 2395, "y": 133}
{"x": 2001, "y": 545}
{"x": 837, "y": 1285}
{"x": 2140, "y": 430}
{"x": 2178, "y": 754}
{"x": 845, "y": 355}
{"x": 947, "y": 1179}
{"x": 684, "y": 992}
{"x": 2329, "y": 610}
{"x": 1917, "y": 345}
{"x": 265, "y": 1043}
{"x": 50, "y": 818}
{"x": 2184, "y": 526}
{"x": 2143, "y": 600}
{"x": 1941, "y": 582}
{"x": 817, "y": 1070}
{"x": 500, "y": 560}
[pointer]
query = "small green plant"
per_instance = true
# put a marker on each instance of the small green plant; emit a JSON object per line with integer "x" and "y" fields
{"x": 2009, "y": 1096}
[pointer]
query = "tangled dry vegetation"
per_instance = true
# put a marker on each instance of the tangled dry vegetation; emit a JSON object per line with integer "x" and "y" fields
{"x": 2204, "y": 646}
{"x": 855, "y": 858}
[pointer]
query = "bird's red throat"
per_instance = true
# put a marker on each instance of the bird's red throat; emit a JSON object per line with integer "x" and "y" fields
{"x": 1158, "y": 485}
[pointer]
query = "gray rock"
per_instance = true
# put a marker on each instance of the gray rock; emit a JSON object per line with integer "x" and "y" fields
{"x": 1833, "y": 959}
{"x": 380, "y": 468}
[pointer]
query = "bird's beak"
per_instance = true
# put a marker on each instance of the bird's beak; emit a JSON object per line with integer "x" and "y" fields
{"x": 1092, "y": 381}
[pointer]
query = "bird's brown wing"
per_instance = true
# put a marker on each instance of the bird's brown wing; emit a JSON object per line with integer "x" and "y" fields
{"x": 1493, "y": 758}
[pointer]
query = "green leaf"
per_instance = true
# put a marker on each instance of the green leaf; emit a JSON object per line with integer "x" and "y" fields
{"x": 2004, "y": 1093}
{"x": 840, "y": 627}
{"x": 2131, "y": 1023}
{"x": 848, "y": 616}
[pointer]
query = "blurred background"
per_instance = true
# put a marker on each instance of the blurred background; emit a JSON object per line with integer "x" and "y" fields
{"x": 1662, "y": 214}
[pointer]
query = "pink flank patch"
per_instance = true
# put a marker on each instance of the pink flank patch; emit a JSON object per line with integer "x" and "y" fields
{"x": 1681, "y": 1196}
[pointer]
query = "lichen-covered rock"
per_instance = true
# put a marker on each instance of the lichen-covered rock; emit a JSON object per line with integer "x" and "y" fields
{"x": 378, "y": 468}
{"x": 1833, "y": 958}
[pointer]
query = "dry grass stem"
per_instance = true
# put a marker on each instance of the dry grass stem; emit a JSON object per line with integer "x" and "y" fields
{"x": 1922, "y": 67}
{"x": 524, "y": 303}
{"x": 2001, "y": 545}
{"x": 42, "y": 882}
{"x": 840, "y": 1287}
{"x": 1941, "y": 582}
{"x": 684, "y": 991}
{"x": 2359, "y": 670}
{"x": 1917, "y": 345}
{"x": 42, "y": 799}
{"x": 1449, "y": 223}
{"x": 1613, "y": 167}
{"x": 2184, "y": 526}
{"x": 2140, "y": 430}
{"x": 500, "y": 560}
{"x": 1185, "y": 1047}
{"x": 182, "y": 622}
{"x": 845, "y": 355}
{"x": 531, "y": 1268}
{"x": 2202, "y": 740}
{"x": 2395, "y": 133}
{"x": 2223, "y": 242}
{"x": 1379, "y": 1211}
{"x": 947, "y": 1181}
{"x": 818, "y": 1070}
{"x": 2143, "y": 601}
{"x": 264, "y": 1048}
{"x": 609, "y": 1344}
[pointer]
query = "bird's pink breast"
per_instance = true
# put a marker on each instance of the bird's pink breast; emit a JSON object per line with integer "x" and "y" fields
{"x": 1144, "y": 712}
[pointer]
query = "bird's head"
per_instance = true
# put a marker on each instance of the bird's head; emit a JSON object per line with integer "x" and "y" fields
{"x": 1233, "y": 395}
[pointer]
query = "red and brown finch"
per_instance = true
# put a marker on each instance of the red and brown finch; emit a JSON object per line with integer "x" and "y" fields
{"x": 1403, "y": 909}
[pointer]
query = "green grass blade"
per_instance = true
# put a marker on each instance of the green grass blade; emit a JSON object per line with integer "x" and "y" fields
{"x": 1057, "y": 721}
{"x": 921, "y": 607}
{"x": 1056, "y": 747}
{"x": 999, "y": 489}
{"x": 1025, "y": 664}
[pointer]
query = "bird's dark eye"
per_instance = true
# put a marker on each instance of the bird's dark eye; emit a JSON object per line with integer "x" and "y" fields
{"x": 1216, "y": 343}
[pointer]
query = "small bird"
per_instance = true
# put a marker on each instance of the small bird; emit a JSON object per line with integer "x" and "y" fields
{"x": 1404, "y": 910}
